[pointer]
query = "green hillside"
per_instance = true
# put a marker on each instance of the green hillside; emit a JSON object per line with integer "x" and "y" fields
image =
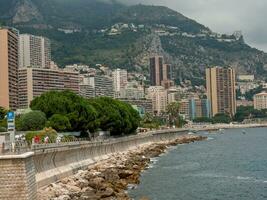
{"x": 108, "y": 32}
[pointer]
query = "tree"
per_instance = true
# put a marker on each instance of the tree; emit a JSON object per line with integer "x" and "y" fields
{"x": 173, "y": 110}
{"x": 59, "y": 123}
{"x": 116, "y": 116}
{"x": 32, "y": 121}
{"x": 81, "y": 115}
{"x": 3, "y": 113}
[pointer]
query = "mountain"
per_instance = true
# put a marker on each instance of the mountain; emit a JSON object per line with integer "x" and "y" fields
{"x": 111, "y": 33}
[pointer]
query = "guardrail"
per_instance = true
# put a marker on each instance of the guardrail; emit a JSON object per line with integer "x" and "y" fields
{"x": 22, "y": 146}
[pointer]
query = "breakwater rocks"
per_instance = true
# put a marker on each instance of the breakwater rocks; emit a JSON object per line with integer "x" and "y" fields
{"x": 109, "y": 179}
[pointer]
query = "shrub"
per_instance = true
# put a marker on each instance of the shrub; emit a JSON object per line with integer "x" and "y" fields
{"x": 3, "y": 129}
{"x": 59, "y": 123}
{"x": 32, "y": 121}
{"x": 51, "y": 133}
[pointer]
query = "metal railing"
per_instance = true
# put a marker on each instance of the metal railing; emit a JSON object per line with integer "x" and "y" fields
{"x": 22, "y": 146}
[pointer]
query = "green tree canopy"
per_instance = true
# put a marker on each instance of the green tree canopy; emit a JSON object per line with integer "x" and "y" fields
{"x": 32, "y": 121}
{"x": 59, "y": 123}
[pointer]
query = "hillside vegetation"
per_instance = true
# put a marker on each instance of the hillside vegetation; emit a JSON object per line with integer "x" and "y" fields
{"x": 108, "y": 32}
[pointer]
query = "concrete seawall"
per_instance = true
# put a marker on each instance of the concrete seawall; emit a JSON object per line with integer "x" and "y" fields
{"x": 54, "y": 162}
{"x": 21, "y": 175}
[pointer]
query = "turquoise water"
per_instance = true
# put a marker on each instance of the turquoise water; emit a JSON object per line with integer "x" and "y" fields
{"x": 227, "y": 166}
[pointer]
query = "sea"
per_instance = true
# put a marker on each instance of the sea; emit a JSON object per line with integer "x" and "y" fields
{"x": 230, "y": 165}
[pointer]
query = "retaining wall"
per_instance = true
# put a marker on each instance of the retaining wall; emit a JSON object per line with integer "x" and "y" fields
{"x": 54, "y": 162}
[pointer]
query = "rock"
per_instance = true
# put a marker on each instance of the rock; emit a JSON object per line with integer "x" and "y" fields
{"x": 81, "y": 183}
{"x": 111, "y": 175}
{"x": 73, "y": 188}
{"x": 125, "y": 173}
{"x": 96, "y": 183}
{"x": 63, "y": 197}
{"x": 107, "y": 193}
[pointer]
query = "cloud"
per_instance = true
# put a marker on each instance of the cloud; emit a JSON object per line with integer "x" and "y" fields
{"x": 224, "y": 16}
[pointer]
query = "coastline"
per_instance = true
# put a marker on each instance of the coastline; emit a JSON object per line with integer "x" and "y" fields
{"x": 110, "y": 178}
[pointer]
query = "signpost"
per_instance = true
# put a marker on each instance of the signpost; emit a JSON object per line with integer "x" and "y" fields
{"x": 11, "y": 125}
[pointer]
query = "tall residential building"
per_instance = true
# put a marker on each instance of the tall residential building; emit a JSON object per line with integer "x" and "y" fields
{"x": 260, "y": 101}
{"x": 34, "y": 51}
{"x": 156, "y": 70}
{"x": 8, "y": 68}
{"x": 120, "y": 79}
{"x": 160, "y": 73}
{"x": 35, "y": 81}
{"x": 159, "y": 98}
{"x": 220, "y": 83}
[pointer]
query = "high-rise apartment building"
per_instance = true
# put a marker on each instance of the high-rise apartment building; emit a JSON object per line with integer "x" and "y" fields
{"x": 160, "y": 73}
{"x": 156, "y": 70}
{"x": 220, "y": 83}
{"x": 35, "y": 81}
{"x": 34, "y": 51}
{"x": 120, "y": 79}
{"x": 260, "y": 101}
{"x": 159, "y": 98}
{"x": 8, "y": 68}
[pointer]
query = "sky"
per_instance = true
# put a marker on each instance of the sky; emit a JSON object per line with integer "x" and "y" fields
{"x": 225, "y": 16}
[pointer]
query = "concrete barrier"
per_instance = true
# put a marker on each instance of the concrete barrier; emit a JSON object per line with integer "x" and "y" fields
{"x": 54, "y": 162}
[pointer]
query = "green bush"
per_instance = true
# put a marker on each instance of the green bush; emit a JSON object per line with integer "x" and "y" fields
{"x": 221, "y": 118}
{"x": 59, "y": 123}
{"x": 32, "y": 121}
{"x": 3, "y": 129}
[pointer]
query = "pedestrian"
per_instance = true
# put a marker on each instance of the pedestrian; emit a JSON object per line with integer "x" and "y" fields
{"x": 46, "y": 139}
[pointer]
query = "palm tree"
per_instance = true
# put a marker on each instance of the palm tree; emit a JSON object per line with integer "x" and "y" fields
{"x": 173, "y": 110}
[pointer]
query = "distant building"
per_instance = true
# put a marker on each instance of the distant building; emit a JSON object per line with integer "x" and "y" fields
{"x": 141, "y": 104}
{"x": 160, "y": 73}
{"x": 120, "y": 79}
{"x": 246, "y": 86}
{"x": 244, "y": 103}
{"x": 34, "y": 51}
{"x": 33, "y": 82}
{"x": 8, "y": 68}
{"x": 159, "y": 98}
{"x": 220, "y": 83}
{"x": 86, "y": 91}
{"x": 132, "y": 93}
{"x": 96, "y": 86}
{"x": 156, "y": 70}
{"x": 199, "y": 108}
{"x": 184, "y": 108}
{"x": 247, "y": 78}
{"x": 260, "y": 101}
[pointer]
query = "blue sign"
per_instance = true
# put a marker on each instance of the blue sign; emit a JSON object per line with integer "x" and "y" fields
{"x": 10, "y": 116}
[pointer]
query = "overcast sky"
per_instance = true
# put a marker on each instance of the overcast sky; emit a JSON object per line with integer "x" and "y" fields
{"x": 225, "y": 16}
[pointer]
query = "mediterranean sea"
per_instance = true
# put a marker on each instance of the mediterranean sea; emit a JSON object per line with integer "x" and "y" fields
{"x": 228, "y": 166}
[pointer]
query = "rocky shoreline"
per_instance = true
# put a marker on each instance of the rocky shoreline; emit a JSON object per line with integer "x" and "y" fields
{"x": 109, "y": 179}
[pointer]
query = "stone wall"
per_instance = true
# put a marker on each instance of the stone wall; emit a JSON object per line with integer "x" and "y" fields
{"x": 17, "y": 177}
